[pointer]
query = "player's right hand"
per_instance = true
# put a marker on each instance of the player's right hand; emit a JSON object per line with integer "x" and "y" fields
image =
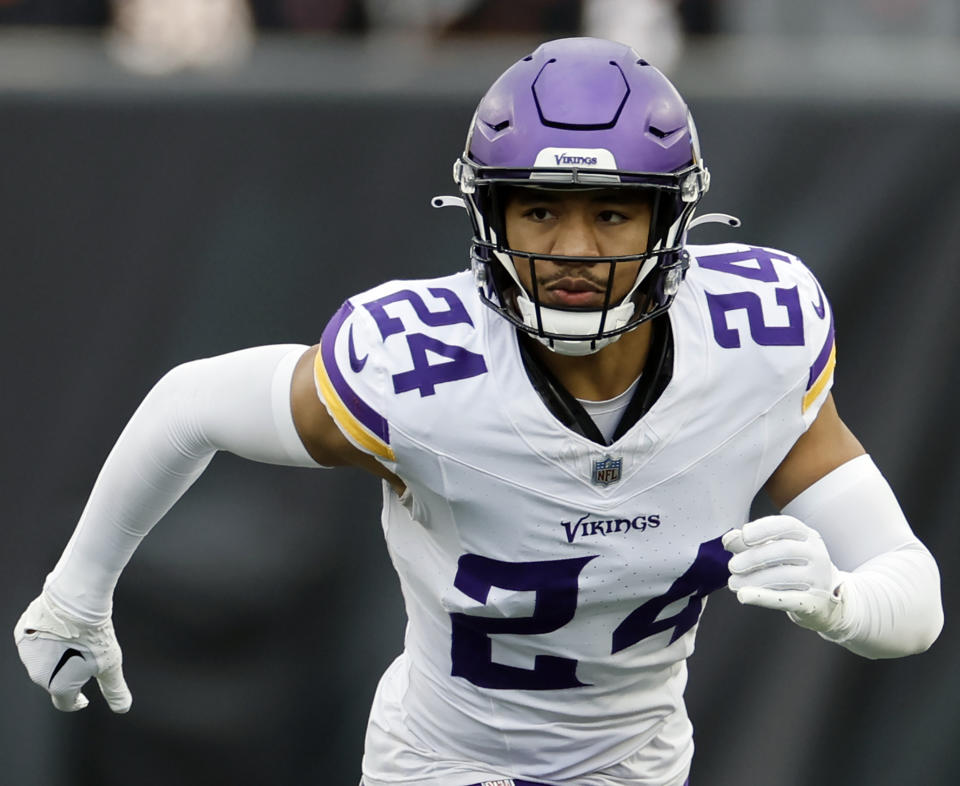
{"x": 61, "y": 653}
{"x": 780, "y": 563}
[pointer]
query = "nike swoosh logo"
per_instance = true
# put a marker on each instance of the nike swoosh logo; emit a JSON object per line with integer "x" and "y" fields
{"x": 356, "y": 363}
{"x": 820, "y": 308}
{"x": 70, "y": 653}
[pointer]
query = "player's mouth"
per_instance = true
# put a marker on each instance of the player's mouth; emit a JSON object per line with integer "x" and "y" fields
{"x": 574, "y": 292}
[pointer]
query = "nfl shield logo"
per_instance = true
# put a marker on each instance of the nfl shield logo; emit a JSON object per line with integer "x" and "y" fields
{"x": 607, "y": 471}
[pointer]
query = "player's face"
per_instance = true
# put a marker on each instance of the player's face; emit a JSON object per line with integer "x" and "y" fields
{"x": 588, "y": 223}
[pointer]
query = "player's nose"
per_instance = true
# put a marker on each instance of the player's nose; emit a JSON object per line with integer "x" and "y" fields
{"x": 575, "y": 236}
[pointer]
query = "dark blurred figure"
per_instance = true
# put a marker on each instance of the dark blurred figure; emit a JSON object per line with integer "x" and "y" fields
{"x": 56, "y": 13}
{"x": 700, "y": 17}
{"x": 345, "y": 16}
{"x": 477, "y": 16}
{"x": 551, "y": 17}
{"x": 556, "y": 17}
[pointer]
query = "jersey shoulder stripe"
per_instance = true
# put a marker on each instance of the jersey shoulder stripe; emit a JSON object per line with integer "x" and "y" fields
{"x": 821, "y": 372}
{"x": 360, "y": 422}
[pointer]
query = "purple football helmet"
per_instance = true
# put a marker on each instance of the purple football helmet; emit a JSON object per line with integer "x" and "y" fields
{"x": 581, "y": 113}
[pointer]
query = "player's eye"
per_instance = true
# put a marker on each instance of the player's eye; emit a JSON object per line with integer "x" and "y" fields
{"x": 611, "y": 217}
{"x": 538, "y": 213}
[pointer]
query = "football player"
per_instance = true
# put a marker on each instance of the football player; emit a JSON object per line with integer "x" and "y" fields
{"x": 569, "y": 438}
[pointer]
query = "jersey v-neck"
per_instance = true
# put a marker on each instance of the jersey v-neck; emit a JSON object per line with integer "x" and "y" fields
{"x": 606, "y": 414}
{"x": 657, "y": 372}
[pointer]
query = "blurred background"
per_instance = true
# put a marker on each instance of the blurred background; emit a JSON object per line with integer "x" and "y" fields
{"x": 182, "y": 178}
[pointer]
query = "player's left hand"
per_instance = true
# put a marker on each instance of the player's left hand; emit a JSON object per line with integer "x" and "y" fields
{"x": 780, "y": 563}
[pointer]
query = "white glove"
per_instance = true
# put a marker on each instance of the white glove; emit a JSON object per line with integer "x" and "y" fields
{"x": 61, "y": 653}
{"x": 780, "y": 563}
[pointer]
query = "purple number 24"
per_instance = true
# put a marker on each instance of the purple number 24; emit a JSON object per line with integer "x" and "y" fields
{"x": 555, "y": 584}
{"x": 460, "y": 363}
{"x": 761, "y": 269}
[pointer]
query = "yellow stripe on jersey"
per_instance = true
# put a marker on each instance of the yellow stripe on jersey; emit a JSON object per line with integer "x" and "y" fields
{"x": 344, "y": 418}
{"x": 821, "y": 382}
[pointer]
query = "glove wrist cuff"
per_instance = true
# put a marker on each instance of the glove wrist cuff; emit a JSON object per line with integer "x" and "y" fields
{"x": 838, "y": 626}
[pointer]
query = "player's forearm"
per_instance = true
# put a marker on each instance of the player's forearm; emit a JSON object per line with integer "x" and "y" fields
{"x": 237, "y": 402}
{"x": 889, "y": 587}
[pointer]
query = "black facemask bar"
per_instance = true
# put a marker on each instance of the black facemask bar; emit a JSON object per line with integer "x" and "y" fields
{"x": 665, "y": 209}
{"x": 675, "y": 197}
{"x": 501, "y": 285}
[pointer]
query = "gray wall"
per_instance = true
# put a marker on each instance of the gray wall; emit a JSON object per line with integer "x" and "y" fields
{"x": 144, "y": 224}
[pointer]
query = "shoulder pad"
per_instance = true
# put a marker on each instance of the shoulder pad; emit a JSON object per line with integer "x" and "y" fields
{"x": 763, "y": 297}
{"x": 393, "y": 346}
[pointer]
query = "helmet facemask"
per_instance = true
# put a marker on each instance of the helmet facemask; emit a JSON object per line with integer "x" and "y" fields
{"x": 571, "y": 330}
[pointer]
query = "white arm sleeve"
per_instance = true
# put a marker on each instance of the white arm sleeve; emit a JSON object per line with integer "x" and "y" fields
{"x": 889, "y": 582}
{"x": 238, "y": 402}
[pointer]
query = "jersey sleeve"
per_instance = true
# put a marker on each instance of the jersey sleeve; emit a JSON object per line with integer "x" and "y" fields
{"x": 349, "y": 376}
{"x": 820, "y": 342}
{"x": 770, "y": 330}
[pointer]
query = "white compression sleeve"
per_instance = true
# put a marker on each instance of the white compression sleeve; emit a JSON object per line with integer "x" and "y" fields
{"x": 238, "y": 402}
{"x": 890, "y": 585}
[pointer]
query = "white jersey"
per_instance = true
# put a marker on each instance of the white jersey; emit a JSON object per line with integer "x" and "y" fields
{"x": 553, "y": 585}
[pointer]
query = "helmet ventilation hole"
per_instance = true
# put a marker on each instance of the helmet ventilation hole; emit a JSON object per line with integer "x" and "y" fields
{"x": 642, "y": 62}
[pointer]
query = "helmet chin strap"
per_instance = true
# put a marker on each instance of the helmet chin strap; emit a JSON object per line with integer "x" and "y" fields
{"x": 575, "y": 323}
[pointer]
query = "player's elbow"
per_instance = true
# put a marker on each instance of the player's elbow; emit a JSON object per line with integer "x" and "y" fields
{"x": 176, "y": 389}
{"x": 899, "y": 610}
{"x": 927, "y": 615}
{"x": 928, "y": 631}
{"x": 171, "y": 409}
{"x": 907, "y": 642}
